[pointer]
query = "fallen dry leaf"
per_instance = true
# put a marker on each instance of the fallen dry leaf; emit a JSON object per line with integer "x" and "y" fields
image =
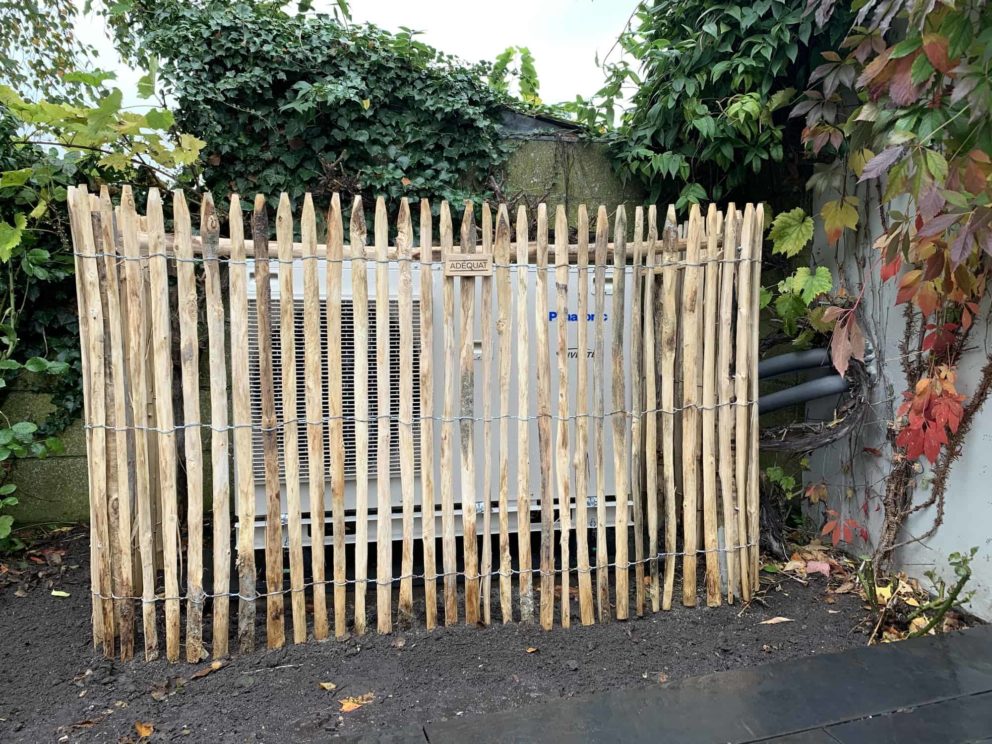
{"x": 794, "y": 565}
{"x": 917, "y": 624}
{"x": 776, "y": 620}
{"x": 212, "y": 667}
{"x": 844, "y": 588}
{"x": 143, "y": 729}
{"x": 532, "y": 650}
{"x": 820, "y": 567}
{"x": 329, "y": 686}
{"x": 350, "y": 704}
{"x": 662, "y": 678}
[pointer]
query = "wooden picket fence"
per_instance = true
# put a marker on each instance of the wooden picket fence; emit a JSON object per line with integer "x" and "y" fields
{"x": 664, "y": 418}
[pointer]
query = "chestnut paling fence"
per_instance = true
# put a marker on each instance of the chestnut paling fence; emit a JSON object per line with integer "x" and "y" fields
{"x": 256, "y": 378}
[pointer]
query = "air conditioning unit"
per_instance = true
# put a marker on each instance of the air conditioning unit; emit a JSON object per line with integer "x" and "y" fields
{"x": 346, "y": 340}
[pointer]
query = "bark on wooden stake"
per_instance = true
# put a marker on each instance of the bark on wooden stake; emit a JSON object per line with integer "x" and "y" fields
{"x": 690, "y": 405}
{"x": 524, "y": 355}
{"x": 448, "y": 545}
{"x": 669, "y": 335}
{"x": 189, "y": 360}
{"x": 467, "y": 388}
{"x": 275, "y": 633}
{"x": 620, "y": 451}
{"x": 586, "y": 607}
{"x": 638, "y": 321}
{"x": 360, "y": 314}
{"x": 384, "y": 520}
{"x": 710, "y": 516}
{"x": 599, "y": 432}
{"x": 427, "y": 505}
{"x": 241, "y": 410}
{"x": 313, "y": 392}
{"x": 162, "y": 355}
{"x": 561, "y": 457}
{"x": 650, "y": 413}
{"x": 121, "y": 527}
{"x": 486, "y": 334}
{"x": 404, "y": 241}
{"x": 219, "y": 421}
{"x": 290, "y": 424}
{"x": 504, "y": 302}
{"x": 335, "y": 412}
{"x": 544, "y": 443}
{"x": 137, "y": 357}
{"x": 725, "y": 382}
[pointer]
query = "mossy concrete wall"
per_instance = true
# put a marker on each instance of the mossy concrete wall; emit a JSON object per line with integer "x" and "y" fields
{"x": 557, "y": 171}
{"x": 54, "y": 489}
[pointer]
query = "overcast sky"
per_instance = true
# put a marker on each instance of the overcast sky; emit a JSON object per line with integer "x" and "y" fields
{"x": 563, "y": 35}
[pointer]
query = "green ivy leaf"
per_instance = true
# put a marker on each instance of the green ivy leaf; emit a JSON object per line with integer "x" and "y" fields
{"x": 791, "y": 231}
{"x": 807, "y": 284}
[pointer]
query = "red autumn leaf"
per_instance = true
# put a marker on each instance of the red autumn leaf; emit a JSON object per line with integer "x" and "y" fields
{"x": 891, "y": 268}
{"x": 840, "y": 347}
{"x": 902, "y": 90}
{"x": 935, "y": 47}
{"x": 927, "y": 299}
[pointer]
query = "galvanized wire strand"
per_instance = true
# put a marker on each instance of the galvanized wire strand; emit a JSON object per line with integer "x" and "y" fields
{"x": 280, "y": 426}
{"x": 436, "y": 265}
{"x": 434, "y": 576}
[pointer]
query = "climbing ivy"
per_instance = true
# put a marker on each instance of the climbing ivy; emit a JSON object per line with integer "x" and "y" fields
{"x": 708, "y": 84}
{"x": 305, "y": 102}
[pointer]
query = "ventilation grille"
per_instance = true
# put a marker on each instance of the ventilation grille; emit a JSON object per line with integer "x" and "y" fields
{"x": 347, "y": 342}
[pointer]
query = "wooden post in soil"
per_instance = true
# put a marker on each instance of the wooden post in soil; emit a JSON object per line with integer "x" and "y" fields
{"x": 561, "y": 458}
{"x": 467, "y": 389}
{"x": 486, "y": 329}
{"x": 544, "y": 443}
{"x": 219, "y": 422}
{"x": 427, "y": 505}
{"x": 523, "y": 423}
{"x": 121, "y": 529}
{"x": 189, "y": 360}
{"x": 690, "y": 406}
{"x": 335, "y": 413}
{"x": 637, "y": 324}
{"x": 725, "y": 382}
{"x": 137, "y": 359}
{"x": 710, "y": 303}
{"x": 586, "y": 609}
{"x": 504, "y": 302}
{"x": 165, "y": 423}
{"x": 314, "y": 402}
{"x": 404, "y": 244}
{"x": 650, "y": 411}
{"x": 241, "y": 410}
{"x": 742, "y": 393}
{"x": 275, "y": 633}
{"x": 448, "y": 544}
{"x": 753, "y": 495}
{"x": 384, "y": 520}
{"x": 290, "y": 423}
{"x": 598, "y": 431}
{"x": 669, "y": 336}
{"x": 620, "y": 450}
{"x": 360, "y": 315}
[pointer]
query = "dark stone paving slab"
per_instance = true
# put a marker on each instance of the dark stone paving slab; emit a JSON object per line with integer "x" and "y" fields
{"x": 965, "y": 719}
{"x": 762, "y": 703}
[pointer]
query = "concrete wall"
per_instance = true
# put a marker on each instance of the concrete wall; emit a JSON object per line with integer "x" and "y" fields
{"x": 569, "y": 173}
{"x": 856, "y": 477}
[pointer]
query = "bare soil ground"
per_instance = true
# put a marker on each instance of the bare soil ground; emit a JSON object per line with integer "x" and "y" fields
{"x": 55, "y": 687}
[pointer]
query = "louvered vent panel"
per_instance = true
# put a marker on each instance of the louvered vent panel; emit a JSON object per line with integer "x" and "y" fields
{"x": 348, "y": 388}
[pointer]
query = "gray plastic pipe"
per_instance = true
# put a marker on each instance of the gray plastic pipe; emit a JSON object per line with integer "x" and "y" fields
{"x": 793, "y": 361}
{"x": 802, "y": 393}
